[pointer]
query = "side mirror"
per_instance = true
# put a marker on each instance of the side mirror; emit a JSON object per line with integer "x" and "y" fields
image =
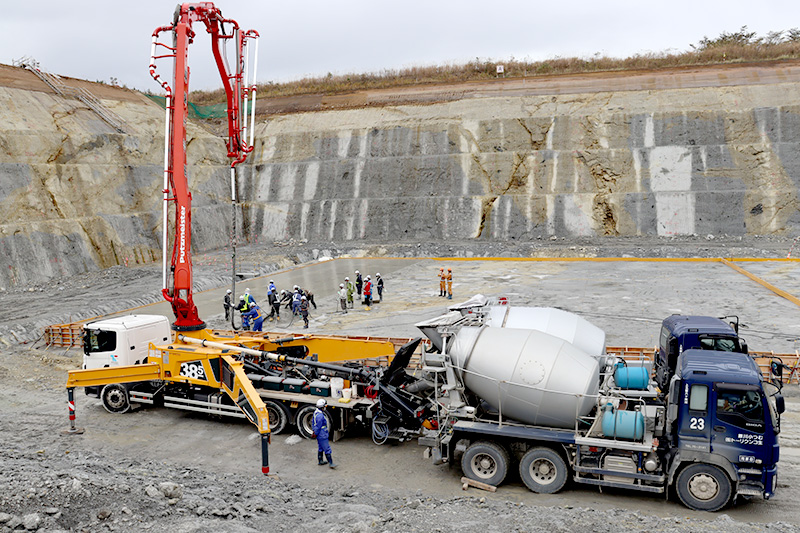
{"x": 780, "y": 404}
{"x": 744, "y": 345}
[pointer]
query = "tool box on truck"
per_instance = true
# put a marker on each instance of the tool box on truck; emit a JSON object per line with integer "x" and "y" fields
{"x": 293, "y": 385}
{"x": 320, "y": 388}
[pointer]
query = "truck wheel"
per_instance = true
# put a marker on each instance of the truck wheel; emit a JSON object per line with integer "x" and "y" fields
{"x": 305, "y": 421}
{"x": 543, "y": 470}
{"x": 486, "y": 462}
{"x": 115, "y": 398}
{"x": 703, "y": 487}
{"x": 278, "y": 417}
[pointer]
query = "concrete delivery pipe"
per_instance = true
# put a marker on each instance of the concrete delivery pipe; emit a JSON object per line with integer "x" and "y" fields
{"x": 527, "y": 375}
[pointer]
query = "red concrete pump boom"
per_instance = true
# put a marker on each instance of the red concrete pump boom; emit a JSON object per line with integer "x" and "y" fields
{"x": 178, "y": 289}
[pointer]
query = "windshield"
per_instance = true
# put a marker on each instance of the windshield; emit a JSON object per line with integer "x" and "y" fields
{"x": 98, "y": 340}
{"x": 720, "y": 344}
{"x": 742, "y": 408}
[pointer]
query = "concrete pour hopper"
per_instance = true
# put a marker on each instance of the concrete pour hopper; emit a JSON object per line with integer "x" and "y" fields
{"x": 527, "y": 375}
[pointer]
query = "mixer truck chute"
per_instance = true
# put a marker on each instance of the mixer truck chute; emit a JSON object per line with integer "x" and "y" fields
{"x": 509, "y": 396}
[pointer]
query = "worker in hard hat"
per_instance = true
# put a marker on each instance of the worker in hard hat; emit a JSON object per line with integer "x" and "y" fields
{"x": 275, "y": 305}
{"x": 227, "y": 304}
{"x": 379, "y": 286}
{"x": 243, "y": 308}
{"x": 319, "y": 425}
{"x": 449, "y": 278}
{"x": 368, "y": 292}
{"x": 351, "y": 289}
{"x": 442, "y": 282}
{"x": 272, "y": 287}
{"x": 304, "y": 310}
{"x": 256, "y": 315}
{"x": 359, "y": 283}
{"x": 249, "y": 300}
{"x": 342, "y": 293}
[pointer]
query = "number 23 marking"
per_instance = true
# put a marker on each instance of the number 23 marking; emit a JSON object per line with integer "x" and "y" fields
{"x": 698, "y": 424}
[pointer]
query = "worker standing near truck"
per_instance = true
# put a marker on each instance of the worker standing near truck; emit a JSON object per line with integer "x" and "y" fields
{"x": 359, "y": 283}
{"x": 379, "y": 286}
{"x": 275, "y": 305}
{"x": 342, "y": 297}
{"x": 227, "y": 304}
{"x": 449, "y": 278}
{"x": 320, "y": 427}
{"x": 442, "y": 281}
{"x": 351, "y": 289}
{"x": 368, "y": 292}
{"x": 304, "y": 310}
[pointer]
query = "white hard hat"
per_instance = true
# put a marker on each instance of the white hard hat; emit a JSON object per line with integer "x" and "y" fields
{"x": 241, "y": 296}
{"x": 321, "y": 403}
{"x": 357, "y": 272}
{"x": 302, "y": 297}
{"x": 377, "y": 274}
{"x": 341, "y": 285}
{"x": 347, "y": 279}
{"x": 247, "y": 290}
{"x": 368, "y": 276}
{"x": 228, "y": 291}
{"x": 271, "y": 281}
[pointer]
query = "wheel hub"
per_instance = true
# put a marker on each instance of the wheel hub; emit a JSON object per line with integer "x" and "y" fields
{"x": 543, "y": 471}
{"x": 484, "y": 466}
{"x": 703, "y": 487}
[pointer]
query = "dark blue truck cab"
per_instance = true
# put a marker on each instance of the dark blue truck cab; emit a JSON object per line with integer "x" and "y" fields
{"x": 723, "y": 424}
{"x": 687, "y": 332}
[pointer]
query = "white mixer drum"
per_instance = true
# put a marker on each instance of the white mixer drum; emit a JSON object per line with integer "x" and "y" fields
{"x": 527, "y": 375}
{"x": 562, "y": 324}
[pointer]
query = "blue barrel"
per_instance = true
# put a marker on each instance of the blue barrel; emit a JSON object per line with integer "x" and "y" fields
{"x": 631, "y": 377}
{"x": 622, "y": 424}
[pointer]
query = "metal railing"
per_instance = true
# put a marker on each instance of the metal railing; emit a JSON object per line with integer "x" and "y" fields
{"x": 79, "y": 93}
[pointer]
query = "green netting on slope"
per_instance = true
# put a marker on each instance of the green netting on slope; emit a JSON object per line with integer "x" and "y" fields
{"x": 199, "y": 111}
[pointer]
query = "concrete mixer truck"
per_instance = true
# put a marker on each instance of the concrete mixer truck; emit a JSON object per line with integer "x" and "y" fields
{"x": 551, "y": 402}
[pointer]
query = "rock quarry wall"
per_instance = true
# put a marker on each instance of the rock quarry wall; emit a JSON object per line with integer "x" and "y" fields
{"x": 76, "y": 195}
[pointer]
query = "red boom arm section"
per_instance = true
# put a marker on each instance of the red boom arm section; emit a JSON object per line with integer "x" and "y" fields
{"x": 176, "y": 186}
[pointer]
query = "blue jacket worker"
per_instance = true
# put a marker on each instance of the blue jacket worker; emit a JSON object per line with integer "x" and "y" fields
{"x": 256, "y": 315}
{"x": 319, "y": 425}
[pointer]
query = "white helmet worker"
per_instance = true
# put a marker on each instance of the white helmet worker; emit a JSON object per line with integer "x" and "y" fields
{"x": 320, "y": 403}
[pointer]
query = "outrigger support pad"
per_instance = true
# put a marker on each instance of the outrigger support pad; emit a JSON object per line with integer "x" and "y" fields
{"x": 265, "y": 453}
{"x": 71, "y": 404}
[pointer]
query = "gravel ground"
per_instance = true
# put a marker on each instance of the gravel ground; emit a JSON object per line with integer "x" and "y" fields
{"x": 136, "y": 473}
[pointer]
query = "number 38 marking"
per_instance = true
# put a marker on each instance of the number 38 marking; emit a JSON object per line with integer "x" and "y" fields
{"x": 193, "y": 370}
{"x": 697, "y": 423}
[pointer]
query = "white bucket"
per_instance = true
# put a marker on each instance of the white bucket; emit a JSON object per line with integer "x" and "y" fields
{"x": 354, "y": 392}
{"x": 346, "y": 393}
{"x": 337, "y": 384}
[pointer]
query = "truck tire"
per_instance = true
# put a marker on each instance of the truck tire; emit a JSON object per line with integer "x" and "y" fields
{"x": 703, "y": 487}
{"x": 486, "y": 462}
{"x": 304, "y": 420}
{"x": 543, "y": 470}
{"x": 115, "y": 398}
{"x": 278, "y": 416}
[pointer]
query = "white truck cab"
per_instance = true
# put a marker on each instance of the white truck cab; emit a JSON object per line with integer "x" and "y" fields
{"x": 123, "y": 340}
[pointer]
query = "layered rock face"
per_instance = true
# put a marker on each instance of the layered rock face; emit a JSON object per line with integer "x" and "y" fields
{"x": 722, "y": 161}
{"x": 76, "y": 195}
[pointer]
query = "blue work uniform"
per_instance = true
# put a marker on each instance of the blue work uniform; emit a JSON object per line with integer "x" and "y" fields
{"x": 320, "y": 426}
